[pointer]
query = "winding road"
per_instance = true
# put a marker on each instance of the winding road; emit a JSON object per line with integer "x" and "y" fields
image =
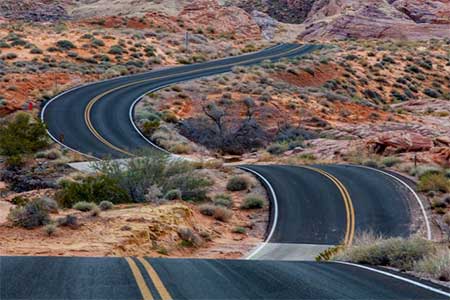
{"x": 313, "y": 207}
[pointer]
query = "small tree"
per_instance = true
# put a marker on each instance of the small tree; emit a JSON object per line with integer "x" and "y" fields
{"x": 22, "y": 135}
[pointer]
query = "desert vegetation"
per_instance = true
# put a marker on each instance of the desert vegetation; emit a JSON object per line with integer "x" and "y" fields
{"x": 413, "y": 254}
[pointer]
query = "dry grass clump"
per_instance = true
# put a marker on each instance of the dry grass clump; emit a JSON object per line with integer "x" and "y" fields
{"x": 434, "y": 182}
{"x": 400, "y": 253}
{"x": 437, "y": 265}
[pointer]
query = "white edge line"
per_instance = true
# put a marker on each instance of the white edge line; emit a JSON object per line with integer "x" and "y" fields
{"x": 275, "y": 214}
{"x": 427, "y": 223}
{"x": 424, "y": 286}
{"x": 121, "y": 77}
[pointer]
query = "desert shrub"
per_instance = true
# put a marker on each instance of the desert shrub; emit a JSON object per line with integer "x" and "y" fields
{"x": 105, "y": 205}
{"x": 140, "y": 174}
{"x": 48, "y": 204}
{"x": 91, "y": 189}
{"x": 32, "y": 215}
{"x": 425, "y": 170}
{"x": 239, "y": 229}
{"x": 68, "y": 221}
{"x": 169, "y": 116}
{"x": 223, "y": 200}
{"x": 238, "y": 183}
{"x": 180, "y": 148}
{"x": 10, "y": 56}
{"x": 189, "y": 236}
{"x": 116, "y": 50}
{"x": 447, "y": 218}
{"x": 50, "y": 229}
{"x": 95, "y": 212}
{"x": 207, "y": 209}
{"x": 396, "y": 252}
{"x": 390, "y": 161}
{"x": 173, "y": 194}
{"x": 19, "y": 201}
{"x": 431, "y": 93}
{"x": 65, "y": 45}
{"x": 97, "y": 43}
{"x": 84, "y": 206}
{"x": 149, "y": 127}
{"x": 439, "y": 203}
{"x": 437, "y": 265}
{"x": 36, "y": 51}
{"x": 192, "y": 187}
{"x": 221, "y": 130}
{"x": 370, "y": 163}
{"x": 434, "y": 182}
{"x": 22, "y": 135}
{"x": 252, "y": 202}
{"x": 277, "y": 148}
{"x": 222, "y": 214}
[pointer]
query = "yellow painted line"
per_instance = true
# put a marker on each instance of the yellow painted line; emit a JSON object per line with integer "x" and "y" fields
{"x": 165, "y": 295}
{"x": 87, "y": 111}
{"x": 145, "y": 292}
{"x": 349, "y": 209}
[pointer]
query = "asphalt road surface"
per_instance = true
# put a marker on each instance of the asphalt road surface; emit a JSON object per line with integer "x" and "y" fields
{"x": 106, "y": 105}
{"x": 58, "y": 278}
{"x": 315, "y": 207}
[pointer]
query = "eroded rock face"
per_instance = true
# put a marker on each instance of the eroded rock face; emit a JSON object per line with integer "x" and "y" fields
{"x": 433, "y": 12}
{"x": 209, "y": 14}
{"x": 377, "y": 19}
{"x": 33, "y": 11}
{"x": 399, "y": 141}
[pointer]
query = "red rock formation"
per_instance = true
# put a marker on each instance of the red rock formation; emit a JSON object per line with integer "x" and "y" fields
{"x": 399, "y": 141}
{"x": 230, "y": 19}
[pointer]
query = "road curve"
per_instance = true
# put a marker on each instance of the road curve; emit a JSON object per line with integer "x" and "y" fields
{"x": 95, "y": 119}
{"x": 317, "y": 207}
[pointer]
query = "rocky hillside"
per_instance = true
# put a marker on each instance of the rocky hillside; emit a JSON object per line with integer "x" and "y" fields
{"x": 404, "y": 19}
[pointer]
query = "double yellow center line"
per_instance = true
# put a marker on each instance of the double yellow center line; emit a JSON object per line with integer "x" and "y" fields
{"x": 88, "y": 109}
{"x": 143, "y": 287}
{"x": 349, "y": 210}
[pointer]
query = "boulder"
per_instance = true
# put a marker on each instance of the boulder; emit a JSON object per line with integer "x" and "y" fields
{"x": 399, "y": 141}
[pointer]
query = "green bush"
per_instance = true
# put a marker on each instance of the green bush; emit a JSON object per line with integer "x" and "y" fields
{"x": 105, "y": 205}
{"x": 22, "y": 135}
{"x": 91, "y": 189}
{"x": 173, "y": 195}
{"x": 193, "y": 187}
{"x": 32, "y": 215}
{"x": 223, "y": 200}
{"x": 277, "y": 148}
{"x": 169, "y": 116}
{"x": 252, "y": 202}
{"x": 65, "y": 45}
{"x": 434, "y": 182}
{"x": 84, "y": 206}
{"x": 239, "y": 229}
{"x": 116, "y": 50}
{"x": 238, "y": 183}
{"x": 139, "y": 175}
{"x": 390, "y": 161}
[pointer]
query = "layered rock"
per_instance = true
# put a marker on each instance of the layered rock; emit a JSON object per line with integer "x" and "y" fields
{"x": 210, "y": 15}
{"x": 375, "y": 19}
{"x": 400, "y": 141}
